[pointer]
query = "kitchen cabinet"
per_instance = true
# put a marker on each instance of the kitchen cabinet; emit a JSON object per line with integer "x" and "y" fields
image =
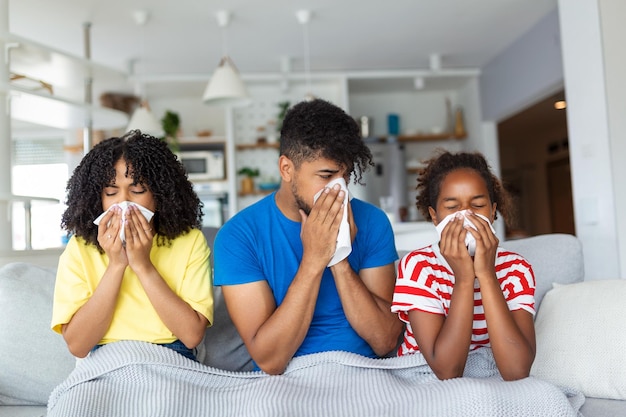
{"x": 372, "y": 94}
{"x": 425, "y": 121}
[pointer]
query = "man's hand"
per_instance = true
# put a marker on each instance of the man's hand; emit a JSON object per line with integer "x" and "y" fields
{"x": 321, "y": 227}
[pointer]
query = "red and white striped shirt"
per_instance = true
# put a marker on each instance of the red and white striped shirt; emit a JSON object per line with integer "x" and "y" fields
{"x": 425, "y": 282}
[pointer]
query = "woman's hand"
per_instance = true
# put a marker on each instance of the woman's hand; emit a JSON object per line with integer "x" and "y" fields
{"x": 139, "y": 236}
{"x": 109, "y": 236}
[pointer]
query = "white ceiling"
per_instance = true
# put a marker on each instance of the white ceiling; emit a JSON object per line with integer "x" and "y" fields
{"x": 182, "y": 40}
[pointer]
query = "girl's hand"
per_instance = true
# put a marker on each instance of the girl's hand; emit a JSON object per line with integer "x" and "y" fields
{"x": 139, "y": 236}
{"x": 486, "y": 246}
{"x": 453, "y": 249}
{"x": 109, "y": 236}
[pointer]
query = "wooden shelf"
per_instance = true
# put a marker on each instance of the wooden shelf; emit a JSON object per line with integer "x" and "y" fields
{"x": 48, "y": 87}
{"x": 429, "y": 137}
{"x": 191, "y": 140}
{"x": 43, "y": 109}
{"x": 422, "y": 137}
{"x": 255, "y": 193}
{"x": 247, "y": 146}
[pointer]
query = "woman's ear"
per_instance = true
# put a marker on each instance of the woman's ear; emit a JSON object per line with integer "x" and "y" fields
{"x": 494, "y": 213}
{"x": 433, "y": 215}
{"x": 286, "y": 168}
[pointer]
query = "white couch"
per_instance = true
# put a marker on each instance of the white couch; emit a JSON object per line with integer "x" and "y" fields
{"x": 33, "y": 359}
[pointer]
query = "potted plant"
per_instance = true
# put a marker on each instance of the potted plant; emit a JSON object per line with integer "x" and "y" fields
{"x": 247, "y": 182}
{"x": 171, "y": 126}
{"x": 283, "y": 106}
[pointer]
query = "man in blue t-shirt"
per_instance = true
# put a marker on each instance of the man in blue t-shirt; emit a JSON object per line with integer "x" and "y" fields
{"x": 271, "y": 258}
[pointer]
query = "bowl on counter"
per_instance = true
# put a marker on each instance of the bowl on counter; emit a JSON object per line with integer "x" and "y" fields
{"x": 268, "y": 186}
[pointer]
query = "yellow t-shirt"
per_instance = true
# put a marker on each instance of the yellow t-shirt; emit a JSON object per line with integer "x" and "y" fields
{"x": 184, "y": 265}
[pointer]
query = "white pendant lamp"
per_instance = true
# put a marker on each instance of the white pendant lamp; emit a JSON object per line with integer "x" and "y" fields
{"x": 143, "y": 119}
{"x": 225, "y": 88}
{"x": 304, "y": 17}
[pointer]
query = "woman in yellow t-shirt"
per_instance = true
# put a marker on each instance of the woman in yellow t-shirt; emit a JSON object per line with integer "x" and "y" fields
{"x": 142, "y": 273}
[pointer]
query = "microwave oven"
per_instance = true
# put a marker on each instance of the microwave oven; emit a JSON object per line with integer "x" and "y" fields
{"x": 203, "y": 165}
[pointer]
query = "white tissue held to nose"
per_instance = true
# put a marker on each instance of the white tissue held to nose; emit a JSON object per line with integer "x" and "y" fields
{"x": 470, "y": 242}
{"x": 344, "y": 240}
{"x": 331, "y": 184}
{"x": 124, "y": 206}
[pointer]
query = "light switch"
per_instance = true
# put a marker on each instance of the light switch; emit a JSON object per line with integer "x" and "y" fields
{"x": 589, "y": 213}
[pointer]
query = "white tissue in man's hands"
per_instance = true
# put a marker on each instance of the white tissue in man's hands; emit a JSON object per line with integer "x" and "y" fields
{"x": 124, "y": 206}
{"x": 470, "y": 242}
{"x": 344, "y": 240}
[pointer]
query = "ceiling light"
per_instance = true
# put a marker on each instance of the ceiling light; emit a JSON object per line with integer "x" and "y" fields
{"x": 304, "y": 17}
{"x": 225, "y": 88}
{"x": 143, "y": 119}
{"x": 435, "y": 62}
{"x": 560, "y": 104}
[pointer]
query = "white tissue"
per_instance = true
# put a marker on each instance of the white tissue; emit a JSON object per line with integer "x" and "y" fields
{"x": 124, "y": 206}
{"x": 470, "y": 242}
{"x": 344, "y": 241}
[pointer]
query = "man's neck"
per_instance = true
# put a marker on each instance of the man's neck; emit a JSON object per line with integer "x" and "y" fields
{"x": 286, "y": 203}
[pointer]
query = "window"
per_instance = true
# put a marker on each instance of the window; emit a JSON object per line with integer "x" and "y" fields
{"x": 39, "y": 170}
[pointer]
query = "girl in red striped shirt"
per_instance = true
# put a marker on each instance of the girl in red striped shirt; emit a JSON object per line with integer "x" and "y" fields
{"x": 453, "y": 297}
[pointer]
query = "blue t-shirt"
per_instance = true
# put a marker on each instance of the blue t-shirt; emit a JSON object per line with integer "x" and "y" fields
{"x": 260, "y": 243}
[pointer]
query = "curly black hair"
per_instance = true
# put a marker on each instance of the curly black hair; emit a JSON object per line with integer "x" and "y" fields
{"x": 150, "y": 162}
{"x": 318, "y": 128}
{"x": 430, "y": 177}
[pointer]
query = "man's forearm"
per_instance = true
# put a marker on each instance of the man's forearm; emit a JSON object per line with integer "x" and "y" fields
{"x": 280, "y": 331}
{"x": 368, "y": 313}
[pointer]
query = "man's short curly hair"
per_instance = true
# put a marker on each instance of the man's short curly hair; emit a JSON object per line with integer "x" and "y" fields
{"x": 318, "y": 128}
{"x": 150, "y": 162}
{"x": 430, "y": 177}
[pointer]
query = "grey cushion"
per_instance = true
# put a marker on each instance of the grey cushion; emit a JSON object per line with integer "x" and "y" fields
{"x": 222, "y": 346}
{"x": 600, "y": 407}
{"x": 23, "y": 411}
{"x": 33, "y": 358}
{"x": 555, "y": 258}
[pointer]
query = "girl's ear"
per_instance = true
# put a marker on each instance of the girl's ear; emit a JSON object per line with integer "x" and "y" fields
{"x": 494, "y": 214}
{"x": 433, "y": 215}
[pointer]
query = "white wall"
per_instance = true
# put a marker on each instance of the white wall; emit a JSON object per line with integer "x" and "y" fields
{"x": 612, "y": 15}
{"x": 589, "y": 61}
{"x": 528, "y": 70}
{"x": 591, "y": 156}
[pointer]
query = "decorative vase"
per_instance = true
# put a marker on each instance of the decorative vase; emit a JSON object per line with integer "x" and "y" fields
{"x": 459, "y": 126}
{"x": 247, "y": 185}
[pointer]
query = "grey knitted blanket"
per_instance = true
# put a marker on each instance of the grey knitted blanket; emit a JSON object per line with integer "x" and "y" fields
{"x": 140, "y": 379}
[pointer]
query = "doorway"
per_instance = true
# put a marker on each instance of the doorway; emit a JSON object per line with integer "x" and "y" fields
{"x": 560, "y": 195}
{"x": 534, "y": 161}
